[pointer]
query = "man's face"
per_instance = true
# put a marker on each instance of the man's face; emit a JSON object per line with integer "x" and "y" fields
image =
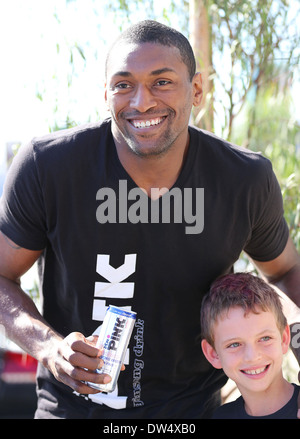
{"x": 150, "y": 96}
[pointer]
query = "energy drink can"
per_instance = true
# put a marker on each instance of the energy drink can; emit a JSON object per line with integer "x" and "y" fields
{"x": 114, "y": 338}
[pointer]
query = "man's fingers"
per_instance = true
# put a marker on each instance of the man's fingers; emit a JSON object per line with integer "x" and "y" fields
{"x": 76, "y": 361}
{"x": 79, "y": 353}
{"x": 77, "y": 379}
{"x": 79, "y": 343}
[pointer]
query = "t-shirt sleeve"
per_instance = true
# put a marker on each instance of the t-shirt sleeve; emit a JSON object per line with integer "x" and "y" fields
{"x": 22, "y": 212}
{"x": 270, "y": 231}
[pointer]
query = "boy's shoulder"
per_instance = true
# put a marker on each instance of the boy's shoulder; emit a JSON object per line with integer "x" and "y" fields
{"x": 236, "y": 409}
{"x": 230, "y": 410}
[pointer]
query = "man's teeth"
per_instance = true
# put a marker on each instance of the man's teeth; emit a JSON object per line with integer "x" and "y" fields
{"x": 146, "y": 123}
{"x": 255, "y": 371}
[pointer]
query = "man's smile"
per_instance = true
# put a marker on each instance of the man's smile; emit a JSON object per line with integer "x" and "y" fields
{"x": 138, "y": 123}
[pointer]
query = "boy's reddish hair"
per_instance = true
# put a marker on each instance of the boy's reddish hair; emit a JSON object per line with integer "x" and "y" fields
{"x": 242, "y": 290}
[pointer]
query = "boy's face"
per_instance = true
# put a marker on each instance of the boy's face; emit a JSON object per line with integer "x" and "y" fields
{"x": 249, "y": 349}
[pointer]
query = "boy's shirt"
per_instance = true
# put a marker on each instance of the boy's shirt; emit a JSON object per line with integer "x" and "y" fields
{"x": 236, "y": 409}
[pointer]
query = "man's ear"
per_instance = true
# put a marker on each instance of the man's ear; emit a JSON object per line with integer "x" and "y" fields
{"x": 197, "y": 88}
{"x": 210, "y": 354}
{"x": 105, "y": 97}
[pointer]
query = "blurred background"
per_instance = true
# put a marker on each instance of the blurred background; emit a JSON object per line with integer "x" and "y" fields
{"x": 52, "y": 77}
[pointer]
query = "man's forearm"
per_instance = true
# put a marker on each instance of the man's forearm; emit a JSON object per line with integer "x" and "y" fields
{"x": 23, "y": 322}
{"x": 289, "y": 283}
{"x": 72, "y": 360}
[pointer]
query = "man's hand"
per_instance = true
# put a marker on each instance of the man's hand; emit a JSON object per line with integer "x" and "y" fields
{"x": 73, "y": 361}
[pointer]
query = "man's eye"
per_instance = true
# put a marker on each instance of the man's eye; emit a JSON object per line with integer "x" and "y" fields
{"x": 163, "y": 82}
{"x": 122, "y": 86}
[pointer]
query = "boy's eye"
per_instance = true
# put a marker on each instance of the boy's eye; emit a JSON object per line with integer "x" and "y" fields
{"x": 266, "y": 338}
{"x": 234, "y": 345}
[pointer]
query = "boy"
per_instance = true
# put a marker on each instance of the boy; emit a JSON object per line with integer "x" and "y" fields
{"x": 246, "y": 333}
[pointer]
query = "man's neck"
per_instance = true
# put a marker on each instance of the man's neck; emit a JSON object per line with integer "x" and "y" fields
{"x": 153, "y": 171}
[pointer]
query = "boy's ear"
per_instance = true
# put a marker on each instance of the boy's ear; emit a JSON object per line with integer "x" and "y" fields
{"x": 210, "y": 354}
{"x": 286, "y": 338}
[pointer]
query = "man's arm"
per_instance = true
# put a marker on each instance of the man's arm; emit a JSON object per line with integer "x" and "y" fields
{"x": 73, "y": 359}
{"x": 284, "y": 272}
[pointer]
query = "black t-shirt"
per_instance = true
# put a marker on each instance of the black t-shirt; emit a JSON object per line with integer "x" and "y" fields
{"x": 106, "y": 243}
{"x": 236, "y": 409}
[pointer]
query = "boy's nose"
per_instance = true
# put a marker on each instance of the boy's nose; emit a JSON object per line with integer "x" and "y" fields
{"x": 251, "y": 353}
{"x": 142, "y": 100}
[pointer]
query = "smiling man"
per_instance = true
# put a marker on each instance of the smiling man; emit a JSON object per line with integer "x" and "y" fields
{"x": 151, "y": 100}
{"x": 108, "y": 211}
{"x": 150, "y": 93}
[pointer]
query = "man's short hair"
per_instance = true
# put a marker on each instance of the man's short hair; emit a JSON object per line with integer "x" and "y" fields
{"x": 239, "y": 290}
{"x": 149, "y": 31}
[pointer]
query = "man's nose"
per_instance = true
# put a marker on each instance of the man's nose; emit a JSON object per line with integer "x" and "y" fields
{"x": 143, "y": 99}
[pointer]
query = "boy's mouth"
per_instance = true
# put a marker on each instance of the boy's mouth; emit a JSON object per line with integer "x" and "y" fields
{"x": 257, "y": 371}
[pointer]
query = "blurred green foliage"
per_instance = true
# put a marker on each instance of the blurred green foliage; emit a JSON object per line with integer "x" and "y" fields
{"x": 270, "y": 126}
